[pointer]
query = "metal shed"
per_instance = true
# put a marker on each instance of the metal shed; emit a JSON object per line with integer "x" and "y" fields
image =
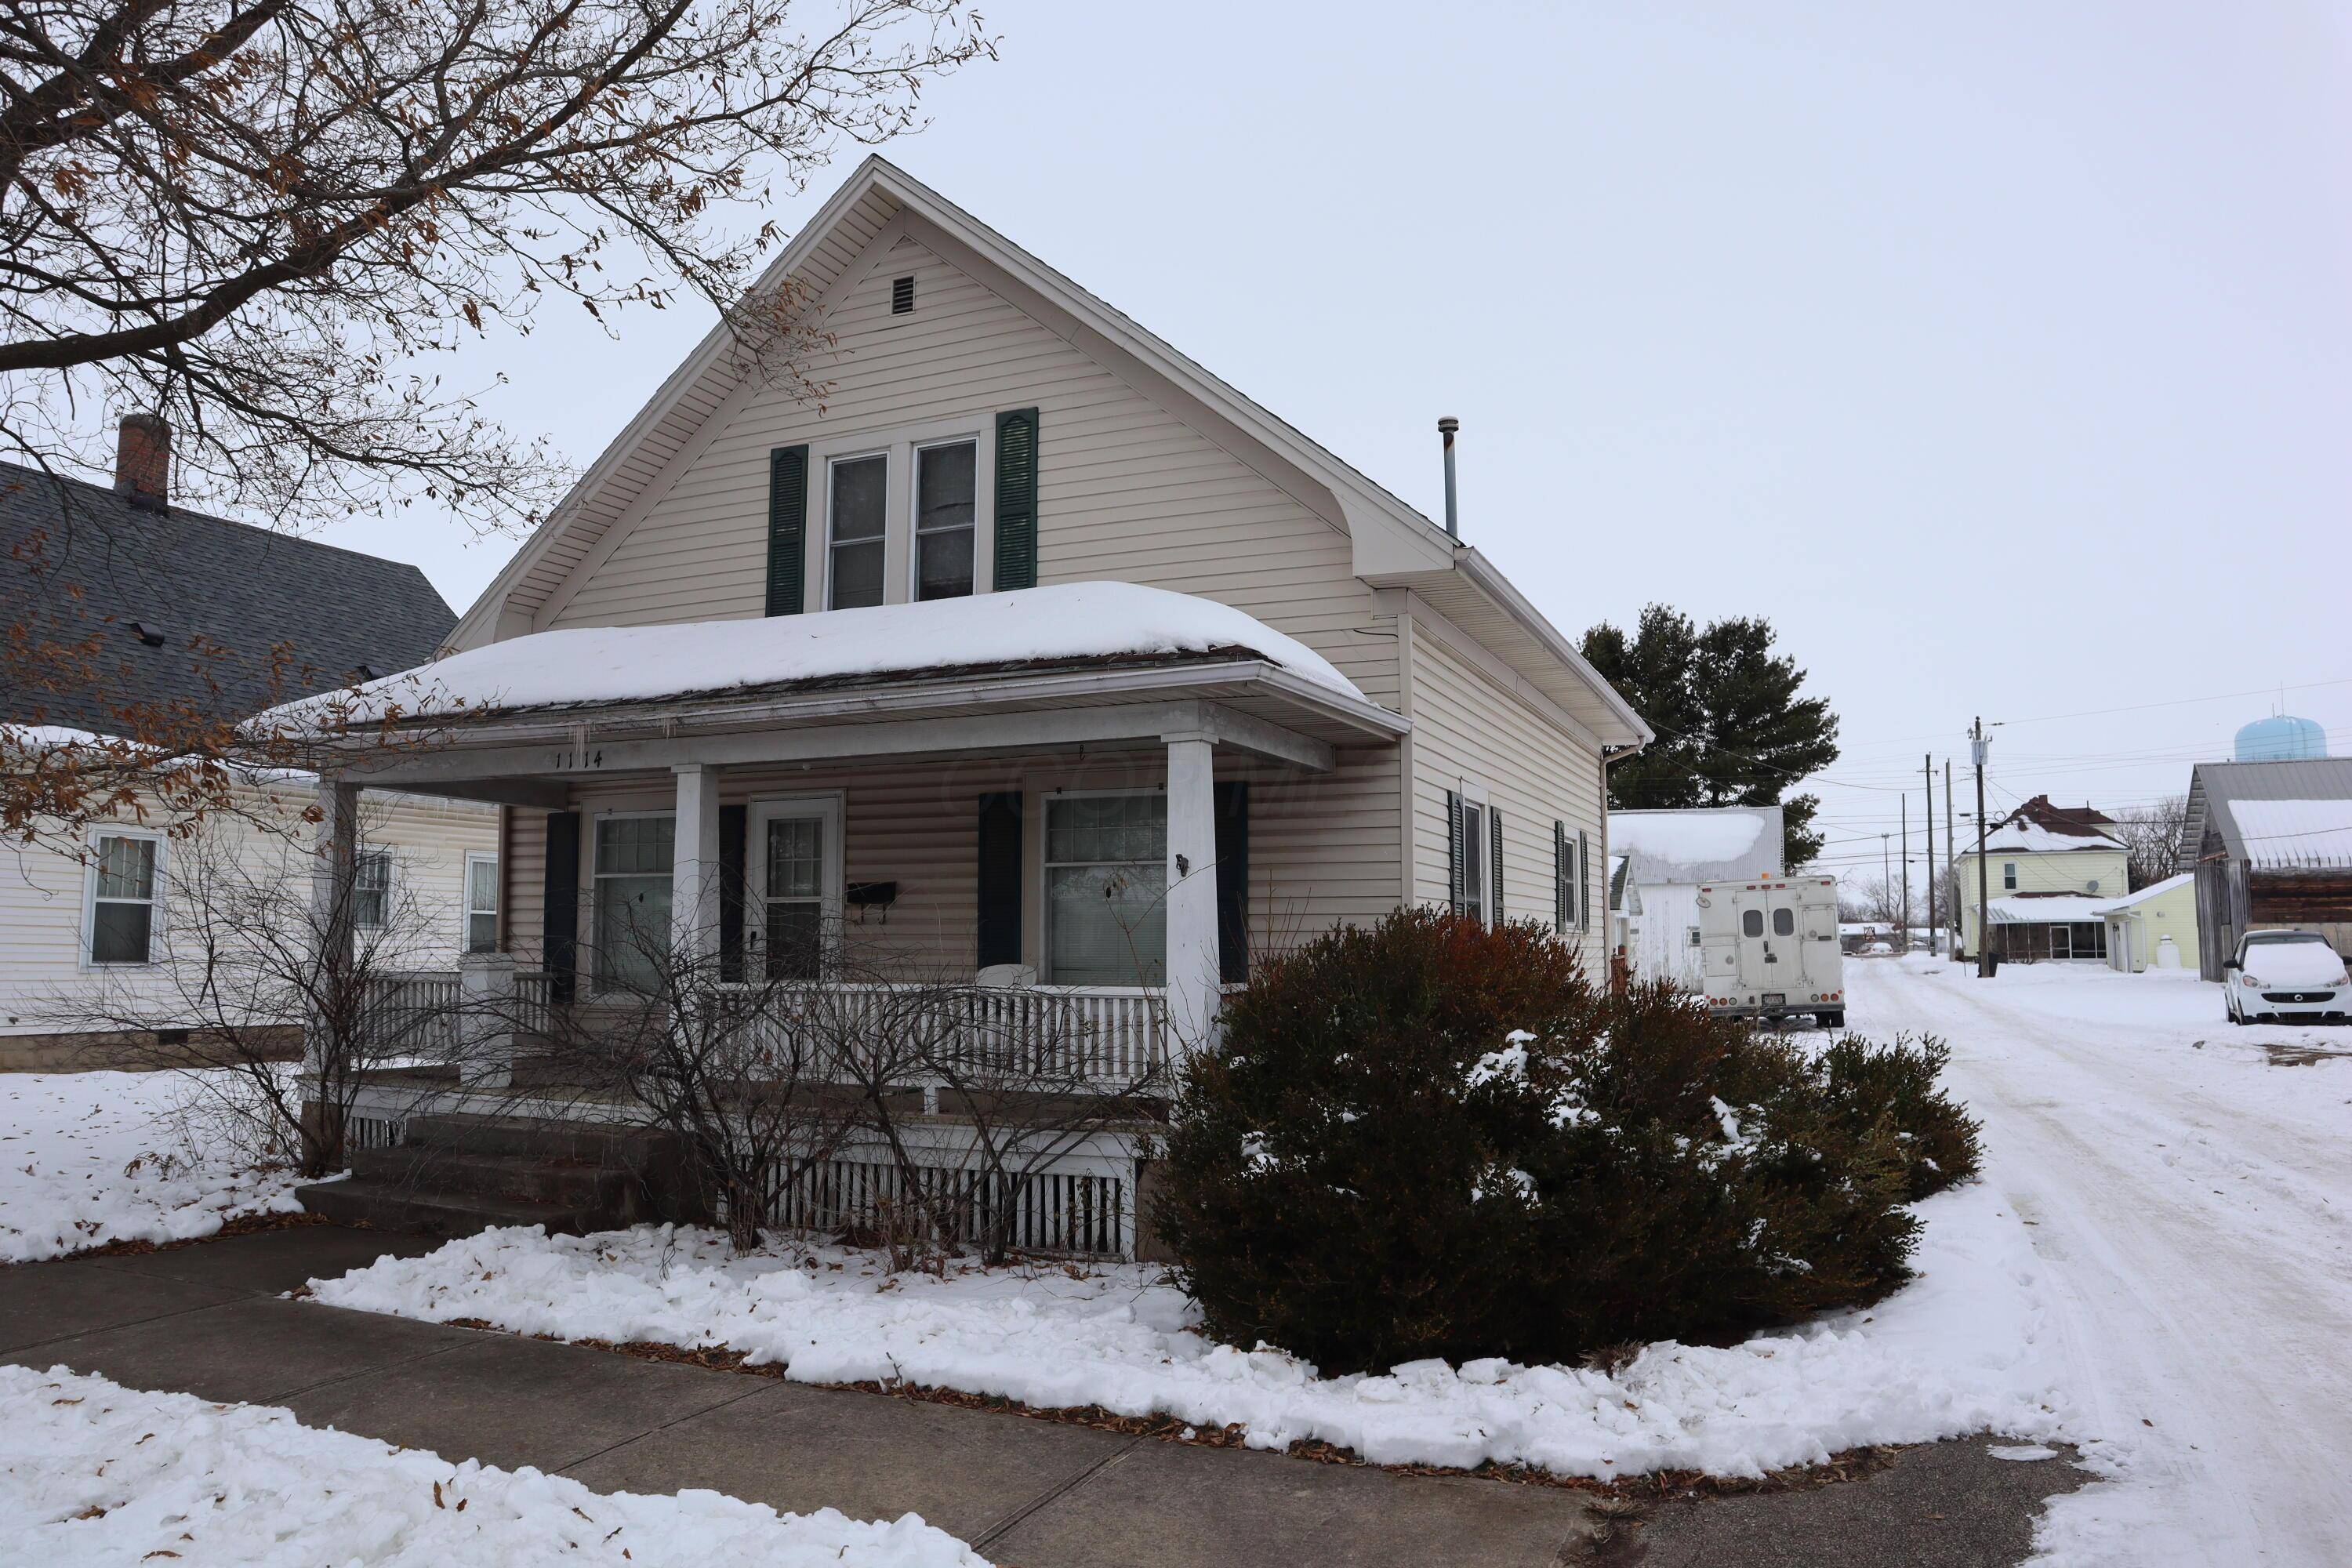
{"x": 2271, "y": 845}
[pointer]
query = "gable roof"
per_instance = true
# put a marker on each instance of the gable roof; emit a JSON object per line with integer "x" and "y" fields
{"x": 192, "y": 576}
{"x": 2274, "y": 816}
{"x": 1702, "y": 844}
{"x": 1393, "y": 545}
{"x": 2038, "y": 828}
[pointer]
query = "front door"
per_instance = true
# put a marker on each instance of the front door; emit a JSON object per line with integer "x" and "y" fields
{"x": 793, "y": 896}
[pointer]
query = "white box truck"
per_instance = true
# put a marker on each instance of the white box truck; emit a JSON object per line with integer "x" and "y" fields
{"x": 1771, "y": 949}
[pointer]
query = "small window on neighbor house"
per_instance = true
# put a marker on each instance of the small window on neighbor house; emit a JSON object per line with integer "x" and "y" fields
{"x": 902, "y": 296}
{"x": 481, "y": 904}
{"x": 2009, "y": 875}
{"x": 1751, "y": 922}
{"x": 859, "y": 514}
{"x": 946, "y": 480}
{"x": 123, "y": 901}
{"x": 372, "y": 890}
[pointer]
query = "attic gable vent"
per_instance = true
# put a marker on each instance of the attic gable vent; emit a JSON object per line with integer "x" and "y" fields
{"x": 902, "y": 296}
{"x": 148, "y": 632}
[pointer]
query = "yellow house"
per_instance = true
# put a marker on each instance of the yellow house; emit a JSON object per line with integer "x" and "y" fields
{"x": 2050, "y": 873}
{"x": 2139, "y": 925}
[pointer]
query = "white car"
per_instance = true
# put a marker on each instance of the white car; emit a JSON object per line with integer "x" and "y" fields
{"x": 2285, "y": 976}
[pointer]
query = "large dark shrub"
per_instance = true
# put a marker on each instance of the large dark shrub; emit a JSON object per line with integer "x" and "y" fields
{"x": 1868, "y": 1081}
{"x": 1427, "y": 1138}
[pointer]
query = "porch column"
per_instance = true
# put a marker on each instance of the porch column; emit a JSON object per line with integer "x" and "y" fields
{"x": 334, "y": 867}
{"x": 694, "y": 873}
{"x": 1192, "y": 994}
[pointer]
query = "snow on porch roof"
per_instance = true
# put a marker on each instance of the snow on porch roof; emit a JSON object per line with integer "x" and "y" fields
{"x": 1094, "y": 622}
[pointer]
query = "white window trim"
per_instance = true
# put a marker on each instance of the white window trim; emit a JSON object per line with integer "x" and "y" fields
{"x": 593, "y": 903}
{"x": 899, "y": 443}
{"x": 88, "y": 941}
{"x": 1043, "y": 862}
{"x": 830, "y": 808}
{"x": 466, "y": 910}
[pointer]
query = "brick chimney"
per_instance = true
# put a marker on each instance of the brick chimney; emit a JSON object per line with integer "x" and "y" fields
{"x": 143, "y": 461}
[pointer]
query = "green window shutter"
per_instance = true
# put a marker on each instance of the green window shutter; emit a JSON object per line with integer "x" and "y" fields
{"x": 999, "y": 879}
{"x": 1232, "y": 805}
{"x": 560, "y": 904}
{"x": 1494, "y": 883}
{"x": 787, "y": 528}
{"x": 1016, "y": 500}
{"x": 1583, "y": 882}
{"x": 1563, "y": 907}
{"x": 1454, "y": 871}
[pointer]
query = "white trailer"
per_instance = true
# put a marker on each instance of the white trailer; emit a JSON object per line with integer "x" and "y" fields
{"x": 1772, "y": 949}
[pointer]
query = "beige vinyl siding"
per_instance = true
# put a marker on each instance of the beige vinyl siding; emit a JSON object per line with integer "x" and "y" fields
{"x": 1126, "y": 490}
{"x": 1469, "y": 729}
{"x": 1322, "y": 846}
{"x": 44, "y": 983}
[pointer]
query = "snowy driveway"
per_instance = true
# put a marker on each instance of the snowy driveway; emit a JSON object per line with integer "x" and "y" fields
{"x": 2190, "y": 1197}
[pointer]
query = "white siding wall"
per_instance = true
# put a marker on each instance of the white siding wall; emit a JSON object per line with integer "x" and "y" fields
{"x": 1468, "y": 729}
{"x": 45, "y": 984}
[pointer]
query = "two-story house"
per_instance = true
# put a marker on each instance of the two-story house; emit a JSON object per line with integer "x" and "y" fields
{"x": 1034, "y": 643}
{"x": 2051, "y": 873}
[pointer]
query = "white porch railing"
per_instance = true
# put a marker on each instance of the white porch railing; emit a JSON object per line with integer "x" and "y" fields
{"x": 418, "y": 1012}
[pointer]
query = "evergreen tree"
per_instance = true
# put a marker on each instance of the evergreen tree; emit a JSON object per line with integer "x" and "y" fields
{"x": 1731, "y": 729}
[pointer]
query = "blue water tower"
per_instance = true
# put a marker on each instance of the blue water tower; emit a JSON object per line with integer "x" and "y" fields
{"x": 2281, "y": 739}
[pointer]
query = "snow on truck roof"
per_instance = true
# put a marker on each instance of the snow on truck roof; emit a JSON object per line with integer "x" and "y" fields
{"x": 1703, "y": 844}
{"x": 1022, "y": 629}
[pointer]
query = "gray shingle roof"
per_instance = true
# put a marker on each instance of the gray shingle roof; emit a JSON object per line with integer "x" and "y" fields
{"x": 197, "y": 579}
{"x": 2215, "y": 787}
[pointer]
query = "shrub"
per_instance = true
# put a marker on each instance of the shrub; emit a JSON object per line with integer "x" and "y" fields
{"x": 1427, "y": 1138}
{"x": 1866, "y": 1081}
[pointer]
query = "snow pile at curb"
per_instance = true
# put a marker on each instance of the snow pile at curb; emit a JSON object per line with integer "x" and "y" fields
{"x": 88, "y": 1158}
{"x": 1969, "y": 1347}
{"x": 91, "y": 1471}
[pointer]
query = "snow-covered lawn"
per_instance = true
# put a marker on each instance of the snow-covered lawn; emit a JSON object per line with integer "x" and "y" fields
{"x": 93, "y": 1472}
{"x": 1965, "y": 1349}
{"x": 2187, "y": 1185}
{"x": 89, "y": 1158}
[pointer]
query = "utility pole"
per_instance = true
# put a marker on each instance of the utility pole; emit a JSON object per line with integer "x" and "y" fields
{"x": 1903, "y": 816}
{"x": 1885, "y": 869}
{"x": 1951, "y": 861}
{"x": 1935, "y": 932}
{"x": 1979, "y": 745}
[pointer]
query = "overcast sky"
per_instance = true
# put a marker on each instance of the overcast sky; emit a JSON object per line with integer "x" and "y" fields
{"x": 2001, "y": 355}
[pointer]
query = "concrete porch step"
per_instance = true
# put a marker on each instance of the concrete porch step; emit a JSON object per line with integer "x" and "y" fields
{"x": 391, "y": 1205}
{"x": 565, "y": 1183}
{"x": 615, "y": 1148}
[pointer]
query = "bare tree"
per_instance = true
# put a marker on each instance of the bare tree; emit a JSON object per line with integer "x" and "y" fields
{"x": 239, "y": 988}
{"x": 259, "y": 219}
{"x": 1878, "y": 899}
{"x": 2151, "y": 837}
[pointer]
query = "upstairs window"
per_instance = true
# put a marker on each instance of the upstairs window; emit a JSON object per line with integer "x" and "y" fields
{"x": 860, "y": 517}
{"x": 2009, "y": 876}
{"x": 946, "y": 510}
{"x": 372, "y": 890}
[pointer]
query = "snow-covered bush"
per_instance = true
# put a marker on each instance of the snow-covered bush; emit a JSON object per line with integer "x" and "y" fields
{"x": 1867, "y": 1082}
{"x": 1427, "y": 1138}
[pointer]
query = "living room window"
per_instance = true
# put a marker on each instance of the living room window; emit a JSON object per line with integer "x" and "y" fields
{"x": 633, "y": 859}
{"x": 1106, "y": 889}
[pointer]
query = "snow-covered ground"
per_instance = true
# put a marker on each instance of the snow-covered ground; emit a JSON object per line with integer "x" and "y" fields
{"x": 1967, "y": 1348}
{"x": 2189, "y": 1197}
{"x": 89, "y": 1158}
{"x": 92, "y": 1472}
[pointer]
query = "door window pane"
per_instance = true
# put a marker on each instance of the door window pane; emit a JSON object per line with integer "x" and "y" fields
{"x": 1751, "y": 922}
{"x": 633, "y": 857}
{"x": 1106, "y": 889}
{"x": 1784, "y": 921}
{"x": 945, "y": 487}
{"x": 794, "y": 927}
{"x": 122, "y": 914}
{"x": 860, "y": 510}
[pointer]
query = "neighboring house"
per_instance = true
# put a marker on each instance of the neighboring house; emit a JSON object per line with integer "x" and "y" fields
{"x": 2270, "y": 844}
{"x": 2051, "y": 872}
{"x": 1668, "y": 854}
{"x": 175, "y": 610}
{"x": 2155, "y": 928}
{"x": 1036, "y": 644}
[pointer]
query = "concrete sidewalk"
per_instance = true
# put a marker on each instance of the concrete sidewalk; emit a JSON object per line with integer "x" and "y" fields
{"x": 204, "y": 1320}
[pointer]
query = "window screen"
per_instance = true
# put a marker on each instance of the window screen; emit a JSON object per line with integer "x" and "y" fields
{"x": 945, "y": 485}
{"x": 122, "y": 914}
{"x": 859, "y": 516}
{"x": 1106, "y": 889}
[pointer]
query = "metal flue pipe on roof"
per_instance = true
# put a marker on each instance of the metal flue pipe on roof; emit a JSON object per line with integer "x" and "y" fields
{"x": 1446, "y": 429}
